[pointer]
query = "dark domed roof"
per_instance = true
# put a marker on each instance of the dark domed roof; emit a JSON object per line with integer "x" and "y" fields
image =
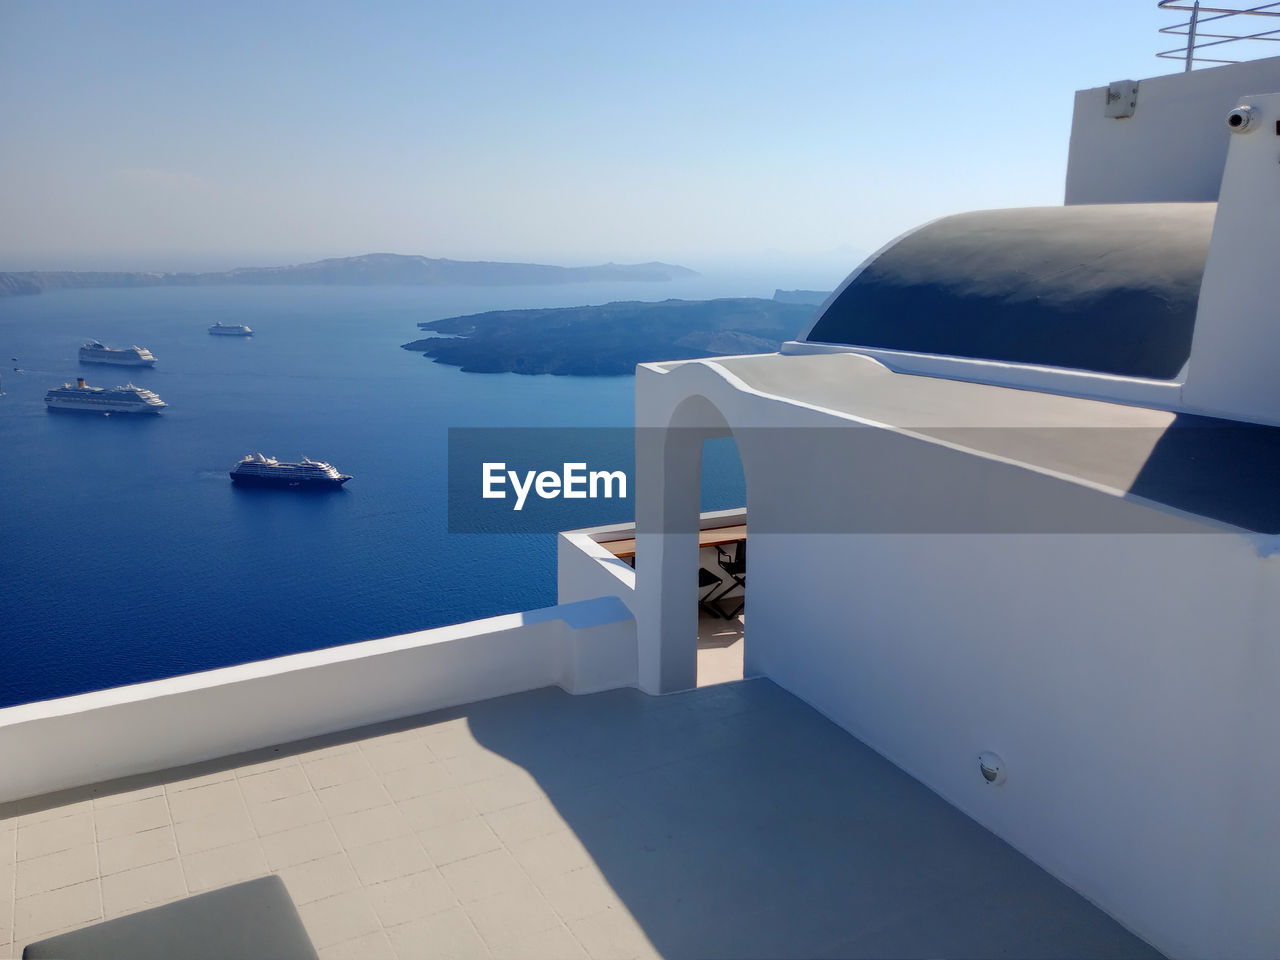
{"x": 1106, "y": 288}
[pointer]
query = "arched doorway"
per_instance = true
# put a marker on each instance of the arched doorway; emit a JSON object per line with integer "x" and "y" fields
{"x": 671, "y": 554}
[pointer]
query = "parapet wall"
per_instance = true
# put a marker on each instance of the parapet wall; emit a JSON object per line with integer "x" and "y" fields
{"x": 1174, "y": 146}
{"x": 74, "y": 741}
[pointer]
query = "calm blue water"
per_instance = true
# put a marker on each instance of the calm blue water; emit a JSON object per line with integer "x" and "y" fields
{"x": 125, "y": 552}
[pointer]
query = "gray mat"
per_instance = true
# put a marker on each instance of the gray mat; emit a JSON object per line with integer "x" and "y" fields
{"x": 255, "y": 919}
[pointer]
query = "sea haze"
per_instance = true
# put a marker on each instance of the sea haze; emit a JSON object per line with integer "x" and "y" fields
{"x": 125, "y": 552}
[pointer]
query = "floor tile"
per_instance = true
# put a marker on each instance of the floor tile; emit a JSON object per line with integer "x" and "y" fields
{"x": 49, "y": 836}
{"x": 370, "y": 826}
{"x": 274, "y": 784}
{"x": 612, "y": 935}
{"x": 414, "y": 897}
{"x": 386, "y": 757}
{"x": 136, "y": 850}
{"x": 533, "y": 818}
{"x": 207, "y": 800}
{"x": 318, "y": 879}
{"x": 61, "y": 909}
{"x": 511, "y": 914}
{"x": 483, "y": 875}
{"x": 286, "y": 813}
{"x": 418, "y": 780}
{"x": 352, "y": 797}
{"x": 450, "y": 738}
{"x": 437, "y": 809}
{"x": 557, "y": 943}
{"x": 224, "y": 866}
{"x": 219, "y": 830}
{"x": 339, "y": 918}
{"x": 373, "y": 946}
{"x": 458, "y": 841}
{"x": 331, "y": 771}
{"x": 449, "y": 934}
{"x": 182, "y": 784}
{"x": 388, "y": 859}
{"x": 265, "y": 764}
{"x": 551, "y": 854}
{"x": 579, "y": 894}
{"x": 126, "y": 818}
{"x": 56, "y": 812}
{"x": 108, "y": 800}
{"x": 54, "y": 870}
{"x": 476, "y": 766}
{"x": 308, "y": 842}
{"x": 509, "y": 790}
{"x": 142, "y": 887}
{"x": 8, "y": 840}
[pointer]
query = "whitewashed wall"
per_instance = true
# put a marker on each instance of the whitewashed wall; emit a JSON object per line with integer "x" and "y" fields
{"x": 1174, "y": 146}
{"x": 583, "y": 647}
{"x": 585, "y": 569}
{"x": 1131, "y": 683}
{"x": 1232, "y": 370}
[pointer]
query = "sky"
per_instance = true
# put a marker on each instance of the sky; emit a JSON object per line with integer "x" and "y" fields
{"x": 168, "y": 136}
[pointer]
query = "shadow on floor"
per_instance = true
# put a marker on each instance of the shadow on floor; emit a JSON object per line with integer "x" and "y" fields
{"x": 735, "y": 821}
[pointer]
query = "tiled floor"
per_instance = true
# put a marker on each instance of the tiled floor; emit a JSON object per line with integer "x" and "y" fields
{"x": 719, "y": 649}
{"x": 732, "y": 821}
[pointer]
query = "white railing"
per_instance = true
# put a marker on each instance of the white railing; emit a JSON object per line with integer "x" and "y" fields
{"x": 1201, "y": 32}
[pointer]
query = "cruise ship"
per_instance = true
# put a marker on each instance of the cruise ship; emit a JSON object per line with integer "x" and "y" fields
{"x": 83, "y": 398}
{"x": 1011, "y": 670}
{"x": 221, "y": 329}
{"x": 95, "y": 351}
{"x": 255, "y": 470}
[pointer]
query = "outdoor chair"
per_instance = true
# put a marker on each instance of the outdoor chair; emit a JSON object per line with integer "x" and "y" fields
{"x": 735, "y": 566}
{"x": 708, "y": 585}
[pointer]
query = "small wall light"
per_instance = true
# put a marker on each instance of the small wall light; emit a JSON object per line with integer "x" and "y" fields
{"x": 991, "y": 767}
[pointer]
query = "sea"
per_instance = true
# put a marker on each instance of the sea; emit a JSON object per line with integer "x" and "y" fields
{"x": 126, "y": 554}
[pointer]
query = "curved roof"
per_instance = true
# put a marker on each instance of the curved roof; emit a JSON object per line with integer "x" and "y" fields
{"x": 1108, "y": 288}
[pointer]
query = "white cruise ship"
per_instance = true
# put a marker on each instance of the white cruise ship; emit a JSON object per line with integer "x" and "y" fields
{"x": 221, "y": 329}
{"x": 259, "y": 471}
{"x": 95, "y": 351}
{"x": 123, "y": 399}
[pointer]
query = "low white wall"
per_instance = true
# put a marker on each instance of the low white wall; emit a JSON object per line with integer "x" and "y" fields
{"x": 1162, "y": 394}
{"x": 583, "y": 647}
{"x": 585, "y": 569}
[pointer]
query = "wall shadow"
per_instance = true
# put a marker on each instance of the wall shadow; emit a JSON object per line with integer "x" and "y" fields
{"x": 736, "y": 821}
{"x": 1221, "y": 469}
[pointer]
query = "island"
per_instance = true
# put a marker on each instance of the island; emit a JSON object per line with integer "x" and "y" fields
{"x": 609, "y": 339}
{"x": 373, "y": 269}
{"x": 814, "y": 297}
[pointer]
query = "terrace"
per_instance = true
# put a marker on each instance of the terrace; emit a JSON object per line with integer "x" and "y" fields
{"x": 728, "y": 821}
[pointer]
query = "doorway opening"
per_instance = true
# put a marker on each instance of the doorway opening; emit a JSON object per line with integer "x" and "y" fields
{"x": 722, "y": 564}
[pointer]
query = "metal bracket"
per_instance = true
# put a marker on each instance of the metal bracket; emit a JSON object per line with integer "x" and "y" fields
{"x": 1122, "y": 99}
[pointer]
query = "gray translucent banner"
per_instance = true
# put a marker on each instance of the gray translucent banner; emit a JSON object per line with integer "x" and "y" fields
{"x": 1195, "y": 476}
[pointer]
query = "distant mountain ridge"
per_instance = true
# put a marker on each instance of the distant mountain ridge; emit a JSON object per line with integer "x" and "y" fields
{"x": 373, "y": 269}
{"x": 612, "y": 338}
{"x": 814, "y": 297}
